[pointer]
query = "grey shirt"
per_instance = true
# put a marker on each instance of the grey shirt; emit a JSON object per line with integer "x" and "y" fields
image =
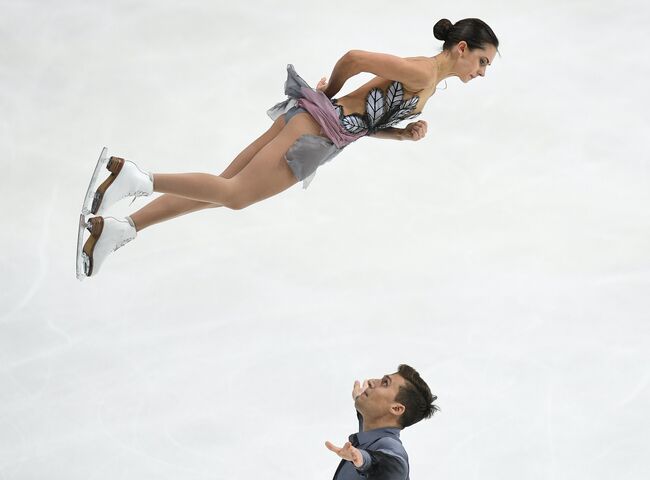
{"x": 384, "y": 457}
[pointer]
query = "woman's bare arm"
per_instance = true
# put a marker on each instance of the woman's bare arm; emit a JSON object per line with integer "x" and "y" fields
{"x": 343, "y": 70}
{"x": 390, "y": 133}
{"x": 414, "y": 73}
{"x": 413, "y": 131}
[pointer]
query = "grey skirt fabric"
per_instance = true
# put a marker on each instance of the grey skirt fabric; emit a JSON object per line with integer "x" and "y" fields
{"x": 310, "y": 151}
{"x": 307, "y": 154}
{"x": 293, "y": 111}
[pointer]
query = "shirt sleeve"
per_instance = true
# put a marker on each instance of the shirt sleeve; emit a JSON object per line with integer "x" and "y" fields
{"x": 382, "y": 465}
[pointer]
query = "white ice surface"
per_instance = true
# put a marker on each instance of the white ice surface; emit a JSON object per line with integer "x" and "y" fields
{"x": 506, "y": 256}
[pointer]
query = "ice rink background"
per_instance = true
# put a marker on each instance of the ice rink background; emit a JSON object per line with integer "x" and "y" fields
{"x": 506, "y": 256}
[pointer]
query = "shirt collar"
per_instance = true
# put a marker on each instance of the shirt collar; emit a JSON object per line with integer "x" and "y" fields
{"x": 366, "y": 438}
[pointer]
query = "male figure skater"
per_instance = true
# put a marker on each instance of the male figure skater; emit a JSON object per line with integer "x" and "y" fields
{"x": 384, "y": 407}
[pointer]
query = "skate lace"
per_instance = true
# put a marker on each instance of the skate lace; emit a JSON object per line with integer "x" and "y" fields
{"x": 136, "y": 194}
{"x": 122, "y": 243}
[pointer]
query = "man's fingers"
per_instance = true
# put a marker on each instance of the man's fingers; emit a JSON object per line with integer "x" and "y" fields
{"x": 345, "y": 450}
{"x": 332, "y": 447}
{"x": 358, "y": 388}
{"x": 355, "y": 389}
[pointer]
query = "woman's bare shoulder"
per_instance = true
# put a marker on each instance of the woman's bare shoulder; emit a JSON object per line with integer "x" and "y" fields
{"x": 416, "y": 72}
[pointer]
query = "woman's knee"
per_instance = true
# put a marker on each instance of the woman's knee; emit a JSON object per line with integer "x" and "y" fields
{"x": 237, "y": 203}
{"x": 236, "y": 198}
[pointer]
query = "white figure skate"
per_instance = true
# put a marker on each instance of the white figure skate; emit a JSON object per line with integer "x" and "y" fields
{"x": 125, "y": 180}
{"x": 106, "y": 235}
{"x": 101, "y": 163}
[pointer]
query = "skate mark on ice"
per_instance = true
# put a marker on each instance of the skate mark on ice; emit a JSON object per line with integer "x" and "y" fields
{"x": 636, "y": 391}
{"x": 130, "y": 444}
{"x": 550, "y": 437}
{"x": 19, "y": 458}
{"x": 43, "y": 264}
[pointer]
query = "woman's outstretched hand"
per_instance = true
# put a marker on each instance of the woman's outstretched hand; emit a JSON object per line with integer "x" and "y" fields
{"x": 347, "y": 452}
{"x": 416, "y": 130}
{"x": 322, "y": 84}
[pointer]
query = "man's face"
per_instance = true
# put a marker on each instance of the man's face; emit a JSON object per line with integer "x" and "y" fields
{"x": 378, "y": 399}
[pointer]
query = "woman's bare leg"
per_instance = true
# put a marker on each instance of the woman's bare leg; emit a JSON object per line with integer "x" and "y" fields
{"x": 266, "y": 175}
{"x": 165, "y": 208}
{"x": 169, "y": 206}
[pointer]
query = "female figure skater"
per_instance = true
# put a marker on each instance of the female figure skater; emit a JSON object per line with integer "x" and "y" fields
{"x": 310, "y": 128}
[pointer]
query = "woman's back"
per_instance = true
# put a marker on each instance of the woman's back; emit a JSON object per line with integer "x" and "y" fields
{"x": 355, "y": 102}
{"x": 388, "y": 95}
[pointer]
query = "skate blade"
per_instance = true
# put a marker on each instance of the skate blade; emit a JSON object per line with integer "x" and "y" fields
{"x": 81, "y": 271}
{"x": 101, "y": 163}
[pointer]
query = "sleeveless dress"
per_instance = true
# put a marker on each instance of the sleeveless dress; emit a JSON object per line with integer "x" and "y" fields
{"x": 383, "y": 110}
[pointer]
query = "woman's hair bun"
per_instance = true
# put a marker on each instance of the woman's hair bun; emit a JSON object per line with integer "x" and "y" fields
{"x": 441, "y": 29}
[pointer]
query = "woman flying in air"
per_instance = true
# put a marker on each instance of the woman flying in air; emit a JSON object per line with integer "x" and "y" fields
{"x": 310, "y": 128}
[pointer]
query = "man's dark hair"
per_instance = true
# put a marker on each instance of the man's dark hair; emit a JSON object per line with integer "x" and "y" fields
{"x": 415, "y": 396}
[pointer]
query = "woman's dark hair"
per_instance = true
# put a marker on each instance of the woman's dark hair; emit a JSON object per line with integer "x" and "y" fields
{"x": 415, "y": 396}
{"x": 475, "y": 32}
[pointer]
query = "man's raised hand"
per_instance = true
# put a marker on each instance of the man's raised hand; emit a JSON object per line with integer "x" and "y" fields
{"x": 358, "y": 388}
{"x": 347, "y": 452}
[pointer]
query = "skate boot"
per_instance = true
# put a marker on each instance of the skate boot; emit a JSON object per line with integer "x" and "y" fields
{"x": 107, "y": 234}
{"x": 126, "y": 180}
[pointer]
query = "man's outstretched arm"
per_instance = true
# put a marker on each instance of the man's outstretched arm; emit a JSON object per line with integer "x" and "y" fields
{"x": 374, "y": 464}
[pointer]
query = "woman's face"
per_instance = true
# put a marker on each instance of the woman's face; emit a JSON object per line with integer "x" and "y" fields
{"x": 472, "y": 63}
